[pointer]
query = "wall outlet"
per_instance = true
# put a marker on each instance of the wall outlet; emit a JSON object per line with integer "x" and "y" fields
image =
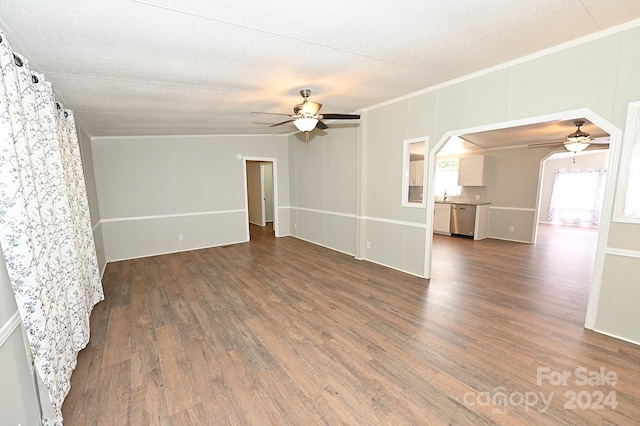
{"x": 180, "y": 237}
{"x": 511, "y": 229}
{"x": 477, "y": 196}
{"x": 368, "y": 244}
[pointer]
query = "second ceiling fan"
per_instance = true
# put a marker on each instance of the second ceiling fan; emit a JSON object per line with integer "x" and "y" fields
{"x": 305, "y": 115}
{"x": 577, "y": 141}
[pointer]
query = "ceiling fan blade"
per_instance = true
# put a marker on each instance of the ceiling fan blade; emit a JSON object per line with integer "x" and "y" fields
{"x": 321, "y": 125}
{"x": 282, "y": 122}
{"x": 340, "y": 116}
{"x": 544, "y": 144}
{"x": 270, "y": 113}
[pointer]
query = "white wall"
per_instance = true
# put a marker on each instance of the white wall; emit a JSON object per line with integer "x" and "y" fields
{"x": 512, "y": 189}
{"x": 323, "y": 187}
{"x": 92, "y": 193}
{"x": 151, "y": 190}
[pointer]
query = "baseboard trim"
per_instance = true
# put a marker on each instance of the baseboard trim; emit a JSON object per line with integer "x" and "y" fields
{"x": 178, "y": 251}
{"x": 392, "y": 267}
{"x": 359, "y": 258}
{"x": 615, "y": 336}
{"x": 509, "y": 239}
{"x": 322, "y": 245}
{"x": 517, "y": 209}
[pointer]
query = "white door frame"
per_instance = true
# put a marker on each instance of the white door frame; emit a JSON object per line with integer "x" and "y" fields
{"x": 264, "y": 188}
{"x": 263, "y": 208}
{"x": 607, "y": 202}
{"x": 274, "y": 161}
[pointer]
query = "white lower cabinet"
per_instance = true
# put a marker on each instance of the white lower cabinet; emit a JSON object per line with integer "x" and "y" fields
{"x": 442, "y": 218}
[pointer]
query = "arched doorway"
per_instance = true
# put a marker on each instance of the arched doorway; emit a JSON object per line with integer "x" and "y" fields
{"x": 608, "y": 199}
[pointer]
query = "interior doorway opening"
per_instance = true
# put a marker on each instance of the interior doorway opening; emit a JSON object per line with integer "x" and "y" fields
{"x": 607, "y": 203}
{"x": 261, "y": 195}
{"x": 572, "y": 188}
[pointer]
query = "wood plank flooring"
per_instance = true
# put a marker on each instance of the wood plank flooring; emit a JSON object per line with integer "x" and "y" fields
{"x": 283, "y": 332}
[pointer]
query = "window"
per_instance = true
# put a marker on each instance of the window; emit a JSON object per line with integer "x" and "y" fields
{"x": 632, "y": 142}
{"x": 413, "y": 172}
{"x": 446, "y": 182}
{"x": 577, "y": 197}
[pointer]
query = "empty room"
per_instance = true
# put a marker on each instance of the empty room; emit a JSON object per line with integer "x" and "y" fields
{"x": 378, "y": 213}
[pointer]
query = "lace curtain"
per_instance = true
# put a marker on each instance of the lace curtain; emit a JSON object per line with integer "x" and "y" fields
{"x": 577, "y": 197}
{"x": 45, "y": 229}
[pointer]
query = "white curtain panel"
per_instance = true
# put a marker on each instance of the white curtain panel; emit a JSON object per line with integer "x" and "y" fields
{"x": 577, "y": 197}
{"x": 45, "y": 228}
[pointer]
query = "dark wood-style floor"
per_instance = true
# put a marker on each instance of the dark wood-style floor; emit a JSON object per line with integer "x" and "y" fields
{"x": 280, "y": 331}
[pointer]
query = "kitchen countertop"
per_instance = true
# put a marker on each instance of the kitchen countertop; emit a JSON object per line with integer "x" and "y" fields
{"x": 473, "y": 203}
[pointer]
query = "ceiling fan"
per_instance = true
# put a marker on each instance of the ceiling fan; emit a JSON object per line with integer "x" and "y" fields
{"x": 576, "y": 141}
{"x": 305, "y": 115}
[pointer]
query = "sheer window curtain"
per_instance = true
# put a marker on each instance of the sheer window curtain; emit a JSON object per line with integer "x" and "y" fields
{"x": 45, "y": 228}
{"x": 577, "y": 197}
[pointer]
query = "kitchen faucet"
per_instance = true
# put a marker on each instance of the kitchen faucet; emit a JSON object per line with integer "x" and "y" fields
{"x": 445, "y": 195}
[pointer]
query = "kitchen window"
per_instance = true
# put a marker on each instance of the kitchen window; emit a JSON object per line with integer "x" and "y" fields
{"x": 446, "y": 183}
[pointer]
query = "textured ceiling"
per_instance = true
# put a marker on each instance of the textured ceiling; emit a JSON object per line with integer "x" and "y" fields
{"x": 129, "y": 67}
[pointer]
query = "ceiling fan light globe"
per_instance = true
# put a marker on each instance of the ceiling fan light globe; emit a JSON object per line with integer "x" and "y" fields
{"x": 306, "y": 124}
{"x": 578, "y": 139}
{"x": 576, "y": 146}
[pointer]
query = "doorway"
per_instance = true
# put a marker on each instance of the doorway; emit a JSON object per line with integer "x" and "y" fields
{"x": 261, "y": 194}
{"x": 615, "y": 138}
{"x": 572, "y": 187}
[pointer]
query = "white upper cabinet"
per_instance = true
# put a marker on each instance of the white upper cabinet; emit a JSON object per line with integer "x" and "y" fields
{"x": 471, "y": 171}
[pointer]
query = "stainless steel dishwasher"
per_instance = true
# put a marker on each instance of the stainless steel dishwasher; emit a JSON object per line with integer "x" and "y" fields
{"x": 463, "y": 219}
